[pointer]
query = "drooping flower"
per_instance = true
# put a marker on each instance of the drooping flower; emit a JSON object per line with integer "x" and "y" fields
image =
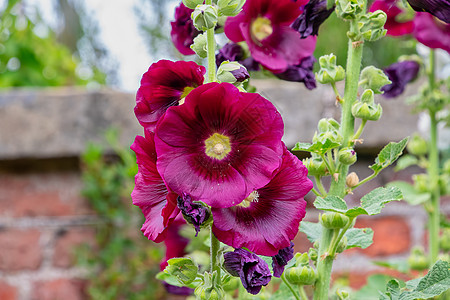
{"x": 150, "y": 193}
{"x": 183, "y": 30}
{"x": 165, "y": 84}
{"x": 393, "y": 25}
{"x": 234, "y": 52}
{"x": 249, "y": 267}
{"x": 268, "y": 219}
{"x": 195, "y": 213}
{"x": 438, "y": 8}
{"x": 281, "y": 259}
{"x": 301, "y": 73}
{"x": 432, "y": 32}
{"x": 220, "y": 145}
{"x": 400, "y": 74}
{"x": 314, "y": 14}
{"x": 265, "y": 26}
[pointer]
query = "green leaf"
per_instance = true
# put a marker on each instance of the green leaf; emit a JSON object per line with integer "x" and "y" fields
{"x": 389, "y": 155}
{"x": 331, "y": 203}
{"x": 392, "y": 290}
{"x": 318, "y": 147}
{"x": 410, "y": 194}
{"x": 183, "y": 268}
{"x": 302, "y": 147}
{"x": 371, "y": 291}
{"x": 400, "y": 265}
{"x": 313, "y": 231}
{"x": 374, "y": 201}
{"x": 405, "y": 161}
{"x": 359, "y": 237}
{"x": 433, "y": 284}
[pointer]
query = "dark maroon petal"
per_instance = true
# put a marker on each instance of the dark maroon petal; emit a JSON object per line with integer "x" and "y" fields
{"x": 195, "y": 213}
{"x": 393, "y": 27}
{"x": 281, "y": 259}
{"x": 254, "y": 128}
{"x": 438, "y": 8}
{"x": 231, "y": 52}
{"x": 315, "y": 13}
{"x": 270, "y": 223}
{"x": 432, "y": 32}
{"x": 400, "y": 74}
{"x": 183, "y": 30}
{"x": 301, "y": 73}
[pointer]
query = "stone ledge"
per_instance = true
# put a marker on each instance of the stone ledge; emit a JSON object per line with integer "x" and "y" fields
{"x": 53, "y": 123}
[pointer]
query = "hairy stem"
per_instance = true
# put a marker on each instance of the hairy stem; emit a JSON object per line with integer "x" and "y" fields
{"x": 433, "y": 172}
{"x": 215, "y": 246}
{"x": 211, "y": 51}
{"x": 290, "y": 287}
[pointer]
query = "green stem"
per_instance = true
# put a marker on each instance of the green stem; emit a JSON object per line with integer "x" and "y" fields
{"x": 316, "y": 192}
{"x": 290, "y": 287}
{"x": 324, "y": 265}
{"x": 215, "y": 246}
{"x": 338, "y": 96}
{"x": 333, "y": 247}
{"x": 211, "y": 51}
{"x": 365, "y": 180}
{"x": 360, "y": 130}
{"x": 303, "y": 293}
{"x": 328, "y": 164}
{"x": 320, "y": 186}
{"x": 433, "y": 172}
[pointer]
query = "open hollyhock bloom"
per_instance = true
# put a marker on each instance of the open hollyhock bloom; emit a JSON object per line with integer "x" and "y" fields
{"x": 165, "y": 84}
{"x": 158, "y": 205}
{"x": 432, "y": 32}
{"x": 183, "y": 30}
{"x": 265, "y": 26}
{"x": 268, "y": 219}
{"x": 220, "y": 145}
{"x": 393, "y": 25}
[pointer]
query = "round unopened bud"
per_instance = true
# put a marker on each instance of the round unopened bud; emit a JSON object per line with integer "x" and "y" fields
{"x": 200, "y": 45}
{"x": 329, "y": 72}
{"x": 417, "y": 260}
{"x": 192, "y": 4}
{"x": 342, "y": 245}
{"x": 209, "y": 289}
{"x": 349, "y": 9}
{"x": 417, "y": 145}
{"x": 313, "y": 254}
{"x": 205, "y": 17}
{"x": 444, "y": 240}
{"x": 347, "y": 156}
{"x": 230, "y": 8}
{"x": 304, "y": 275}
{"x": 301, "y": 259}
{"x": 421, "y": 183}
{"x": 374, "y": 79}
{"x": 366, "y": 109}
{"x": 352, "y": 179}
{"x": 446, "y": 167}
{"x": 315, "y": 165}
{"x": 232, "y": 72}
{"x": 232, "y": 284}
{"x": 371, "y": 25}
{"x": 333, "y": 220}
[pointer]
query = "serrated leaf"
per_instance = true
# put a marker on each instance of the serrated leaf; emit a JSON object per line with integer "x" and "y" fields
{"x": 313, "y": 231}
{"x": 405, "y": 161}
{"x": 389, "y": 155}
{"x": 374, "y": 201}
{"x": 331, "y": 203}
{"x": 371, "y": 291}
{"x": 356, "y": 211}
{"x": 318, "y": 147}
{"x": 433, "y": 284}
{"x": 410, "y": 194}
{"x": 301, "y": 147}
{"x": 359, "y": 237}
{"x": 182, "y": 268}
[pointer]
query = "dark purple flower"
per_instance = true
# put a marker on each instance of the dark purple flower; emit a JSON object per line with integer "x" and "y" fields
{"x": 178, "y": 290}
{"x": 438, "y": 8}
{"x": 240, "y": 74}
{"x": 301, "y": 73}
{"x": 268, "y": 219}
{"x": 393, "y": 26}
{"x": 150, "y": 193}
{"x": 400, "y": 74}
{"x": 234, "y": 52}
{"x": 253, "y": 271}
{"x": 195, "y": 213}
{"x": 432, "y": 32}
{"x": 183, "y": 30}
{"x": 265, "y": 26}
{"x": 165, "y": 84}
{"x": 281, "y": 259}
{"x": 220, "y": 145}
{"x": 314, "y": 14}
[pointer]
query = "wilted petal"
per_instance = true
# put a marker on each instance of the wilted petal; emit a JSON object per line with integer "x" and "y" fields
{"x": 438, "y": 8}
{"x": 314, "y": 14}
{"x": 281, "y": 259}
{"x": 400, "y": 74}
{"x": 301, "y": 73}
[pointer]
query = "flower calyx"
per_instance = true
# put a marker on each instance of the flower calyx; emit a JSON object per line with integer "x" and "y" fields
{"x": 302, "y": 273}
{"x": 333, "y": 220}
{"x": 329, "y": 72}
{"x": 232, "y": 72}
{"x": 349, "y": 9}
{"x": 366, "y": 109}
{"x": 192, "y": 4}
{"x": 230, "y": 8}
{"x": 374, "y": 79}
{"x": 371, "y": 25}
{"x": 205, "y": 17}
{"x": 328, "y": 130}
{"x": 210, "y": 288}
{"x": 200, "y": 45}
{"x": 418, "y": 260}
{"x": 315, "y": 165}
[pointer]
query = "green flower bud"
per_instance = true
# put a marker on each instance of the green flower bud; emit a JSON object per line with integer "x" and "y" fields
{"x": 313, "y": 254}
{"x": 192, "y": 4}
{"x": 417, "y": 260}
{"x": 421, "y": 183}
{"x": 333, "y": 220}
{"x": 328, "y": 129}
{"x": 342, "y": 245}
{"x": 371, "y": 25}
{"x": 342, "y": 294}
{"x": 417, "y": 145}
{"x": 374, "y": 79}
{"x": 366, "y": 109}
{"x": 205, "y": 17}
{"x": 315, "y": 165}
{"x": 301, "y": 259}
{"x": 444, "y": 184}
{"x": 200, "y": 45}
{"x": 347, "y": 156}
{"x": 349, "y": 9}
{"x": 352, "y": 179}
{"x": 183, "y": 268}
{"x": 329, "y": 71}
{"x": 232, "y": 72}
{"x": 304, "y": 275}
{"x": 444, "y": 240}
{"x": 209, "y": 289}
{"x": 230, "y": 8}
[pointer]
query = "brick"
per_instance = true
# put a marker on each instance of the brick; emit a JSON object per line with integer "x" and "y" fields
{"x": 301, "y": 243}
{"x": 20, "y": 250}
{"x": 391, "y": 236}
{"x": 8, "y": 292}
{"x": 67, "y": 289}
{"x": 356, "y": 280}
{"x": 67, "y": 242}
{"x": 49, "y": 194}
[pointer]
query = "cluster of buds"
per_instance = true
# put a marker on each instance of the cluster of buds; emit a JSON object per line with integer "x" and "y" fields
{"x": 315, "y": 165}
{"x": 329, "y": 72}
{"x": 371, "y": 25}
{"x": 366, "y": 109}
{"x": 349, "y": 9}
{"x": 329, "y": 129}
{"x": 301, "y": 273}
{"x": 210, "y": 288}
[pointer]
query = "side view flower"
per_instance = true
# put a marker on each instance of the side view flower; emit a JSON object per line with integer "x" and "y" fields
{"x": 183, "y": 30}
{"x": 400, "y": 74}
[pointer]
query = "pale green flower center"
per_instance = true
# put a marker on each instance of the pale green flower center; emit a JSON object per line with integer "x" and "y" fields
{"x": 217, "y": 146}
{"x": 261, "y": 28}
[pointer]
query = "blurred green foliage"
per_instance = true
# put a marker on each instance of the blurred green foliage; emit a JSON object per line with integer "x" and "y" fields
{"x": 123, "y": 264}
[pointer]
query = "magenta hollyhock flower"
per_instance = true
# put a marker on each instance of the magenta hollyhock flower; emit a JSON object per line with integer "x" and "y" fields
{"x": 158, "y": 205}
{"x": 249, "y": 267}
{"x": 438, "y": 8}
{"x": 309, "y": 21}
{"x": 400, "y": 74}
{"x": 432, "y": 32}
{"x": 220, "y": 145}
{"x": 268, "y": 219}
{"x": 265, "y": 26}
{"x": 281, "y": 259}
{"x": 301, "y": 73}
{"x": 183, "y": 30}
{"x": 393, "y": 26}
{"x": 165, "y": 84}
